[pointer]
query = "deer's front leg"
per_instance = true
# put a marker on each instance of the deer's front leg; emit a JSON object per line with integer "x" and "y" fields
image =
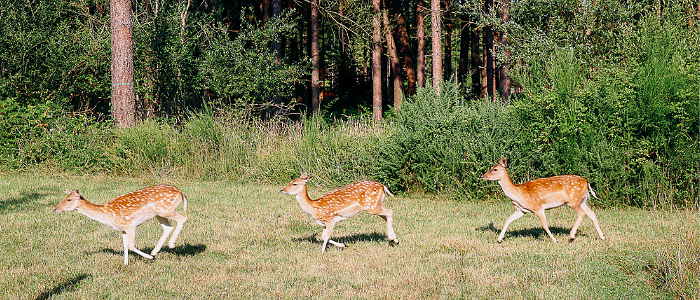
{"x": 327, "y": 237}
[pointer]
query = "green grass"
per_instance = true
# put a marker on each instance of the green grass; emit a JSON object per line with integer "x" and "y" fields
{"x": 248, "y": 240}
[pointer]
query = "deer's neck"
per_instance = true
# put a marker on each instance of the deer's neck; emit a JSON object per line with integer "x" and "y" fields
{"x": 97, "y": 213}
{"x": 305, "y": 202}
{"x": 509, "y": 188}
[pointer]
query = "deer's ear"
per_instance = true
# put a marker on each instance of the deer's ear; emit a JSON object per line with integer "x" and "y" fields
{"x": 305, "y": 177}
{"x": 68, "y": 192}
{"x": 503, "y": 162}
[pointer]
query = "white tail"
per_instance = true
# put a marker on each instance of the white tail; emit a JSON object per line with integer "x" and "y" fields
{"x": 128, "y": 211}
{"x": 544, "y": 193}
{"x": 342, "y": 204}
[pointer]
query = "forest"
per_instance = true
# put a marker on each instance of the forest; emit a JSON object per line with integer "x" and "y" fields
{"x": 422, "y": 95}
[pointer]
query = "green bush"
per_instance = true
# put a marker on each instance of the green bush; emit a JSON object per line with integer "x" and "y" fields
{"x": 45, "y": 136}
{"x": 439, "y": 143}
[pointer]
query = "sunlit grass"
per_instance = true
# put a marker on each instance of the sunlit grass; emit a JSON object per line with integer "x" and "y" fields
{"x": 250, "y": 241}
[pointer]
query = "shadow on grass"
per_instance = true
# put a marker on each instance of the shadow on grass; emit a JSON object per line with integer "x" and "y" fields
{"x": 535, "y": 232}
{"x": 66, "y": 286}
{"x": 26, "y": 200}
{"x": 184, "y": 250}
{"x": 372, "y": 237}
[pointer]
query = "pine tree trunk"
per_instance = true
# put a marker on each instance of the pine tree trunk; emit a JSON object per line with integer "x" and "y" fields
{"x": 436, "y": 42}
{"x": 315, "y": 60}
{"x": 295, "y": 49}
{"x": 488, "y": 52}
{"x": 420, "y": 34}
{"x": 447, "y": 65}
{"x": 403, "y": 45}
{"x": 376, "y": 61}
{"x": 394, "y": 61}
{"x": 123, "y": 100}
{"x": 463, "y": 67}
{"x": 475, "y": 62}
{"x": 504, "y": 79}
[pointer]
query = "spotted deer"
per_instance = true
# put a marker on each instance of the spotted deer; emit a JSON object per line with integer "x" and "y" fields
{"x": 342, "y": 204}
{"x": 124, "y": 213}
{"x": 541, "y": 194}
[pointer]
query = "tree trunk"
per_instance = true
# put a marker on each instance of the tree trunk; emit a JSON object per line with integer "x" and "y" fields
{"x": 475, "y": 61}
{"x": 123, "y": 100}
{"x": 463, "y": 67}
{"x": 315, "y": 60}
{"x": 504, "y": 80}
{"x": 376, "y": 61}
{"x": 448, "y": 40}
{"x": 437, "y": 43}
{"x": 420, "y": 34}
{"x": 488, "y": 52}
{"x": 404, "y": 46}
{"x": 274, "y": 11}
{"x": 394, "y": 62}
{"x": 265, "y": 11}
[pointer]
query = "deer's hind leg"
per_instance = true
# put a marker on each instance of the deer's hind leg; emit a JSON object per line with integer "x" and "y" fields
{"x": 388, "y": 216}
{"x": 167, "y": 229}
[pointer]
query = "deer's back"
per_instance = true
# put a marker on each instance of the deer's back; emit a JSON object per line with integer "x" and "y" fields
{"x": 555, "y": 190}
{"x": 366, "y": 194}
{"x": 148, "y": 201}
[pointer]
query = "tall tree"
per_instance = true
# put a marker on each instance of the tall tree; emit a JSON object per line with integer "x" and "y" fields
{"x": 403, "y": 45}
{"x": 273, "y": 9}
{"x": 435, "y": 21}
{"x": 475, "y": 61}
{"x": 315, "y": 60}
{"x": 503, "y": 79}
{"x": 123, "y": 99}
{"x": 376, "y": 61}
{"x": 463, "y": 65}
{"x": 420, "y": 34}
{"x": 393, "y": 60}
{"x": 488, "y": 52}
{"x": 448, "y": 40}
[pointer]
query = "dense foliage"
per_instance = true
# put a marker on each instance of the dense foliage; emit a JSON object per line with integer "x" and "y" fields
{"x": 631, "y": 129}
{"x": 610, "y": 92}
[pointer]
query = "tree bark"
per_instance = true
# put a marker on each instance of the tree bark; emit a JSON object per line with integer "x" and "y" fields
{"x": 420, "y": 34}
{"x": 475, "y": 62}
{"x": 315, "y": 60}
{"x": 504, "y": 79}
{"x": 403, "y": 46}
{"x": 488, "y": 52}
{"x": 447, "y": 65}
{"x": 265, "y": 7}
{"x": 123, "y": 100}
{"x": 463, "y": 67}
{"x": 394, "y": 61}
{"x": 436, "y": 42}
{"x": 376, "y": 61}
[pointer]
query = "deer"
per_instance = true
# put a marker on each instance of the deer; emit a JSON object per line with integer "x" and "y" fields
{"x": 541, "y": 194}
{"x": 342, "y": 204}
{"x": 126, "y": 212}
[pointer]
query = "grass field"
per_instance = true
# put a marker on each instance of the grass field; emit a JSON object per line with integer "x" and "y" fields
{"x": 250, "y": 241}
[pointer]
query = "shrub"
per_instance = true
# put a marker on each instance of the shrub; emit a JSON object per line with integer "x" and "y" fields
{"x": 440, "y": 143}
